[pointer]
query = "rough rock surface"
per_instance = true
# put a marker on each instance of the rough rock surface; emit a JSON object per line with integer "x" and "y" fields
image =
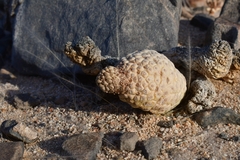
{"x": 128, "y": 141}
{"x": 217, "y": 115}
{"x": 203, "y": 95}
{"x": 118, "y": 27}
{"x": 202, "y": 21}
{"x": 25, "y": 101}
{"x": 5, "y": 37}
{"x": 11, "y": 130}
{"x": 11, "y": 150}
{"x": 226, "y": 27}
{"x": 5, "y": 45}
{"x": 84, "y": 146}
{"x": 152, "y": 147}
{"x": 178, "y": 153}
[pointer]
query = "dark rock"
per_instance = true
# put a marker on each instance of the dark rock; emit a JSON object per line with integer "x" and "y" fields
{"x": 215, "y": 116}
{"x": 5, "y": 38}
{"x": 41, "y": 29}
{"x": 166, "y": 124}
{"x": 11, "y": 150}
{"x": 225, "y": 30}
{"x": 128, "y": 141}
{"x": 84, "y": 146}
{"x": 10, "y": 132}
{"x": 11, "y": 6}
{"x": 183, "y": 154}
{"x": 236, "y": 138}
{"x": 223, "y": 136}
{"x": 25, "y": 101}
{"x": 226, "y": 27}
{"x": 7, "y": 131}
{"x": 203, "y": 21}
{"x": 111, "y": 139}
{"x": 230, "y": 10}
{"x": 60, "y": 100}
{"x": 152, "y": 147}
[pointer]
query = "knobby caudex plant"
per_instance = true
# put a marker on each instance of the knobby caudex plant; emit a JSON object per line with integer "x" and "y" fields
{"x": 151, "y": 81}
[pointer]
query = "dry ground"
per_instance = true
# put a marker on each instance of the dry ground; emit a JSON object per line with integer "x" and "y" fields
{"x": 55, "y": 121}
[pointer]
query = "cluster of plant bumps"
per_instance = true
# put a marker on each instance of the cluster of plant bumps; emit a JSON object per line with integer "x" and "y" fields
{"x": 151, "y": 81}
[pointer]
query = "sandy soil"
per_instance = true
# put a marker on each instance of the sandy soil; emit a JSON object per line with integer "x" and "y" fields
{"x": 81, "y": 111}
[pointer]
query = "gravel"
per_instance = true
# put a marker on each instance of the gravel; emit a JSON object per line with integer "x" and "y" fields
{"x": 82, "y": 112}
{"x": 54, "y": 123}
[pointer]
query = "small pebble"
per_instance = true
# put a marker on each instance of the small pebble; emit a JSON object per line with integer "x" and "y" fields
{"x": 217, "y": 115}
{"x": 128, "y": 141}
{"x": 152, "y": 147}
{"x": 223, "y": 136}
{"x": 236, "y": 138}
{"x": 166, "y": 124}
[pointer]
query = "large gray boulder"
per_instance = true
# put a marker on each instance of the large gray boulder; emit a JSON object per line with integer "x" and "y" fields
{"x": 42, "y": 28}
